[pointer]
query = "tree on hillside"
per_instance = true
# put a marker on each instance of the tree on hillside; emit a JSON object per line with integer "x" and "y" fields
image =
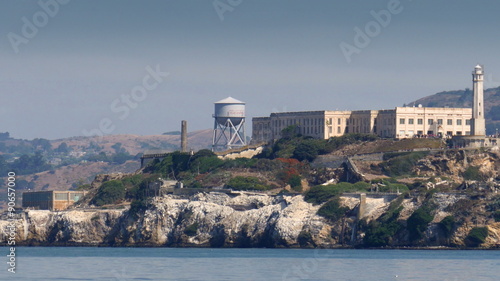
{"x": 494, "y": 113}
{"x": 41, "y": 144}
{"x": 63, "y": 148}
{"x": 306, "y": 151}
{"x": 27, "y": 164}
{"x": 118, "y": 148}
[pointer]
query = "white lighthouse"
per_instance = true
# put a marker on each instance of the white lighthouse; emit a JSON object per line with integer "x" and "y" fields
{"x": 478, "y": 125}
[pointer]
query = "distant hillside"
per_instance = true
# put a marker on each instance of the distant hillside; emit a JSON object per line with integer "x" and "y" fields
{"x": 67, "y": 163}
{"x": 463, "y": 98}
{"x": 134, "y": 144}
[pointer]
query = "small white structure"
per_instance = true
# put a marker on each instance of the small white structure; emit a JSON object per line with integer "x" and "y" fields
{"x": 229, "y": 124}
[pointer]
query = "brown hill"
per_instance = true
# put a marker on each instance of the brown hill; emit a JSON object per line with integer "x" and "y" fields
{"x": 135, "y": 144}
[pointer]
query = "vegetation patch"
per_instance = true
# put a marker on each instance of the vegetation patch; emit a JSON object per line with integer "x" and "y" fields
{"x": 137, "y": 207}
{"x": 332, "y": 210}
{"x": 322, "y": 193}
{"x": 447, "y": 225}
{"x": 305, "y": 239}
{"x": 418, "y": 222}
{"x": 246, "y": 183}
{"x": 191, "y": 229}
{"x": 398, "y": 164}
{"x": 473, "y": 173}
{"x": 109, "y": 193}
{"x": 496, "y": 216}
{"x": 476, "y": 236}
{"x": 381, "y": 232}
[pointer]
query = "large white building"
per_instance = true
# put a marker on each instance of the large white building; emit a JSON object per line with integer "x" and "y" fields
{"x": 401, "y": 122}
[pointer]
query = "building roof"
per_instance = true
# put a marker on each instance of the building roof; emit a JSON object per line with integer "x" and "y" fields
{"x": 229, "y": 100}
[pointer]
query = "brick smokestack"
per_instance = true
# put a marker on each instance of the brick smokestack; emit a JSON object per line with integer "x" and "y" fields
{"x": 184, "y": 139}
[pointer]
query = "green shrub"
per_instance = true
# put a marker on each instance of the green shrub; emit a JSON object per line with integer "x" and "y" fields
{"x": 332, "y": 210}
{"x": 191, "y": 230}
{"x": 472, "y": 173}
{"x": 476, "y": 236}
{"x": 137, "y": 206}
{"x": 447, "y": 224}
{"x": 418, "y": 222}
{"x": 205, "y": 164}
{"x": 496, "y": 216}
{"x": 321, "y": 193}
{"x": 382, "y": 231}
{"x": 361, "y": 186}
{"x": 398, "y": 164}
{"x": 377, "y": 235}
{"x": 305, "y": 239}
{"x": 295, "y": 182}
{"x": 109, "y": 193}
{"x": 246, "y": 183}
{"x": 306, "y": 151}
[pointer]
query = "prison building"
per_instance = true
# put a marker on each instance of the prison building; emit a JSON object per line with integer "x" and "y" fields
{"x": 51, "y": 200}
{"x": 401, "y": 122}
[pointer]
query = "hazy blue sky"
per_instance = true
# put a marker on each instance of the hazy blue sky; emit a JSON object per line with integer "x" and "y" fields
{"x": 275, "y": 55}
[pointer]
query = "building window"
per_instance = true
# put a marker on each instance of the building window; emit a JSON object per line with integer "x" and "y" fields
{"x": 401, "y": 121}
{"x": 459, "y": 133}
{"x": 338, "y": 130}
{"x": 330, "y": 130}
{"x": 467, "y": 122}
{"x": 338, "y": 121}
{"x": 449, "y": 133}
{"x": 459, "y": 122}
{"x": 410, "y": 121}
{"x": 420, "y": 121}
{"x": 430, "y": 122}
{"x": 330, "y": 121}
{"x": 440, "y": 121}
{"x": 420, "y": 133}
{"x": 430, "y": 133}
{"x": 449, "y": 121}
{"x": 401, "y": 133}
{"x": 467, "y": 133}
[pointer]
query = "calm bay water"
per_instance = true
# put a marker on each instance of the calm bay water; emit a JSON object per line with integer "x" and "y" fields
{"x": 120, "y": 264}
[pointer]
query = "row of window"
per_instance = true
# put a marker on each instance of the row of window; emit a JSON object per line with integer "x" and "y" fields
{"x": 420, "y": 121}
{"x": 305, "y": 122}
{"x": 330, "y": 121}
{"x": 430, "y": 133}
{"x": 330, "y": 130}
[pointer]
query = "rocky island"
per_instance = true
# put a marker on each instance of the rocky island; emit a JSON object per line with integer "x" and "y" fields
{"x": 411, "y": 197}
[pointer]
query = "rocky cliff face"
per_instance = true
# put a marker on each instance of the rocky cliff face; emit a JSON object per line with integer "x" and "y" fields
{"x": 454, "y": 163}
{"x": 205, "y": 219}
{"x": 248, "y": 220}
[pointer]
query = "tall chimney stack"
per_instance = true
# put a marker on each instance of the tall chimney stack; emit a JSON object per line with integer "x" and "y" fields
{"x": 184, "y": 139}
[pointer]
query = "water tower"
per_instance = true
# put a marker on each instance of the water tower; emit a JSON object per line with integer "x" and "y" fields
{"x": 229, "y": 124}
